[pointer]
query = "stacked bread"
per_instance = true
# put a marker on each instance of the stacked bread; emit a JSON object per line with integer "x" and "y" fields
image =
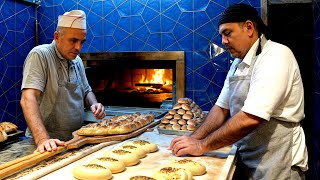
{"x": 185, "y": 115}
{"x": 5, "y": 128}
{"x": 115, "y": 161}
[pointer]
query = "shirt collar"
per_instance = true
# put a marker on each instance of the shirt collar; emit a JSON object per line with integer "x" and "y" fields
{"x": 250, "y": 54}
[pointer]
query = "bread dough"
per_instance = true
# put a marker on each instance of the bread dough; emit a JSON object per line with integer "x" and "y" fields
{"x": 141, "y": 153}
{"x": 194, "y": 167}
{"x": 91, "y": 172}
{"x": 129, "y": 158}
{"x": 141, "y": 178}
{"x": 147, "y": 146}
{"x": 113, "y": 164}
{"x": 172, "y": 173}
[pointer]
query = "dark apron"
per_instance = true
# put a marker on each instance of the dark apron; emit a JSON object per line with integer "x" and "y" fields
{"x": 68, "y": 111}
{"x": 266, "y": 151}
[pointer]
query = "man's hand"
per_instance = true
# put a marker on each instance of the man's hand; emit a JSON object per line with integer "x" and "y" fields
{"x": 98, "y": 110}
{"x": 49, "y": 145}
{"x": 186, "y": 145}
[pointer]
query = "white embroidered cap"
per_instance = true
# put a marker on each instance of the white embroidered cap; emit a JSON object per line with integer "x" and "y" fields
{"x": 73, "y": 19}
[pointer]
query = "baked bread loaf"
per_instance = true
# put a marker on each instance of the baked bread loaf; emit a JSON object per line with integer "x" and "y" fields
{"x": 117, "y": 125}
{"x": 141, "y": 153}
{"x": 145, "y": 145}
{"x": 141, "y": 178}
{"x": 91, "y": 172}
{"x": 3, "y": 136}
{"x": 169, "y": 173}
{"x": 127, "y": 157}
{"x": 195, "y": 168}
{"x": 113, "y": 164}
{"x": 8, "y": 127}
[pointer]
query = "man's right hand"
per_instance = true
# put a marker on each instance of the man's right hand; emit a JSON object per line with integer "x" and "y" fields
{"x": 49, "y": 145}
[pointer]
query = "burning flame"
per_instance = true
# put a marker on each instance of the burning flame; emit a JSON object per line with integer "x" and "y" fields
{"x": 157, "y": 78}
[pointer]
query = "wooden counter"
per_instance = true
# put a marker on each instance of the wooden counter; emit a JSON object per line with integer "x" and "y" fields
{"x": 220, "y": 164}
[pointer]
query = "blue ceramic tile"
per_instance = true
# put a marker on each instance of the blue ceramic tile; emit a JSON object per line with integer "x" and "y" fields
{"x": 154, "y": 25}
{"x": 214, "y": 9}
{"x": 10, "y": 38}
{"x": 10, "y": 61}
{"x": 207, "y": 30}
{"x": 124, "y": 45}
{"x": 219, "y": 78}
{"x": 167, "y": 40}
{"x": 119, "y": 2}
{"x": 9, "y": 10}
{"x": 189, "y": 82}
{"x": 3, "y": 30}
{"x": 10, "y": 23}
{"x": 149, "y": 48}
{"x": 186, "y": 5}
{"x": 92, "y": 19}
{"x": 97, "y": 29}
{"x": 136, "y": 8}
{"x": 113, "y": 17}
{"x": 200, "y": 59}
{"x": 108, "y": 28}
{"x": 200, "y": 18}
{"x": 6, "y": 83}
{"x": 97, "y": 8}
{"x": 189, "y": 59}
{"x": 186, "y": 43}
{"x": 189, "y": 94}
{"x": 222, "y": 62}
{"x": 154, "y": 4}
{"x": 173, "y": 12}
{"x": 173, "y": 47}
{"x": 124, "y": 9}
{"x": 154, "y": 41}
{"x": 119, "y": 35}
{"x": 6, "y": 48}
{"x": 213, "y": 91}
{"x": 108, "y": 7}
{"x": 188, "y": 70}
{"x": 142, "y": 33}
{"x": 200, "y": 82}
{"x": 125, "y": 24}
{"x": 97, "y": 43}
{"x": 186, "y": 19}
{"x": 3, "y": 67}
{"x": 201, "y": 44}
{"x": 166, "y": 4}
{"x": 208, "y": 106}
{"x": 137, "y": 45}
{"x": 201, "y": 97}
{"x": 200, "y": 5}
{"x": 149, "y": 14}
{"x": 207, "y": 71}
{"x": 137, "y": 23}
{"x": 167, "y": 24}
{"x": 3, "y": 100}
{"x": 181, "y": 31}
{"x": 48, "y": 3}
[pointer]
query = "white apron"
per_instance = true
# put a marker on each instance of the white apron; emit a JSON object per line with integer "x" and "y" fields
{"x": 266, "y": 152}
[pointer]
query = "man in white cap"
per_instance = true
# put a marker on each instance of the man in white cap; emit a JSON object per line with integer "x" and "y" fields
{"x": 55, "y": 87}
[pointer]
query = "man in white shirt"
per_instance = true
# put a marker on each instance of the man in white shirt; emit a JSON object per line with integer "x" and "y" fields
{"x": 260, "y": 105}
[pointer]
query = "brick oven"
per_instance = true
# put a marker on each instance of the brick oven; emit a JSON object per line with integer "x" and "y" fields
{"x": 136, "y": 79}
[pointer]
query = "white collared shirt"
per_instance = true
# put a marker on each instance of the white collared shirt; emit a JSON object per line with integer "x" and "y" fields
{"x": 276, "y": 90}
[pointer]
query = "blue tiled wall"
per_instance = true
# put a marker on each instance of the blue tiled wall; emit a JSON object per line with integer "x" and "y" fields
{"x": 154, "y": 25}
{"x": 17, "y": 36}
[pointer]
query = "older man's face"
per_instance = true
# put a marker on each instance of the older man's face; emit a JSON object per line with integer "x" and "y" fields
{"x": 236, "y": 38}
{"x": 69, "y": 42}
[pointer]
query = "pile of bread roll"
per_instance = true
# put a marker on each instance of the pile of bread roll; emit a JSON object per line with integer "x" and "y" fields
{"x": 115, "y": 161}
{"x": 185, "y": 115}
{"x": 5, "y": 128}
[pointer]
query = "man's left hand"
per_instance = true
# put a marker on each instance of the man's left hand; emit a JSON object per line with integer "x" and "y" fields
{"x": 186, "y": 145}
{"x": 98, "y": 110}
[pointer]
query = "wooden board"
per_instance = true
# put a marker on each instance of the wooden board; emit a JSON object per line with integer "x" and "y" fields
{"x": 78, "y": 140}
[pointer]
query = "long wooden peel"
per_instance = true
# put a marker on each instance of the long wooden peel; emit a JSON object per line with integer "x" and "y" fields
{"x": 27, "y": 161}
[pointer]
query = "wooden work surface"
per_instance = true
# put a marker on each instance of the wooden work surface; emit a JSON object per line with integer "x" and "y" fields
{"x": 219, "y": 163}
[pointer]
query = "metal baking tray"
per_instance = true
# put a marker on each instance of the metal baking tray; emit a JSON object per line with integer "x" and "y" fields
{"x": 174, "y": 132}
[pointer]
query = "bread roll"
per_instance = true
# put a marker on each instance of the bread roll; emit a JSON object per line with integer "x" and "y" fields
{"x": 182, "y": 122}
{"x": 177, "y": 116}
{"x": 189, "y": 112}
{"x": 195, "y": 168}
{"x": 162, "y": 126}
{"x": 165, "y": 121}
{"x": 128, "y": 158}
{"x": 141, "y": 153}
{"x": 183, "y": 100}
{"x": 141, "y": 178}
{"x": 169, "y": 173}
{"x": 184, "y": 127}
{"x": 173, "y": 121}
{"x": 191, "y": 121}
{"x": 181, "y": 111}
{"x": 91, "y": 172}
{"x": 177, "y": 106}
{"x": 168, "y": 116}
{"x": 114, "y": 165}
{"x": 176, "y": 127}
{"x": 187, "y": 116}
{"x": 186, "y": 107}
{"x": 172, "y": 112}
{"x": 191, "y": 127}
{"x": 147, "y": 146}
